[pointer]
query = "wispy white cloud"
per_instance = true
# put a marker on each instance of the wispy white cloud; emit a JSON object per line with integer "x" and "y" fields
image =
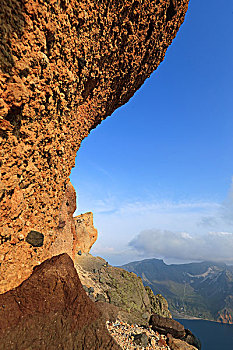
{"x": 111, "y": 204}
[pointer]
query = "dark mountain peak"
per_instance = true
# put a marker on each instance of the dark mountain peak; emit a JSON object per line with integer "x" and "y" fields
{"x": 151, "y": 261}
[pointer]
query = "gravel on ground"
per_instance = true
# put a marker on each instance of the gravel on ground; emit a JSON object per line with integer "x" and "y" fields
{"x": 134, "y": 337}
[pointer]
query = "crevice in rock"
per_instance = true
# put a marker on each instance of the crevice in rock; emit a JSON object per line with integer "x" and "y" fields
{"x": 3, "y": 134}
{"x": 4, "y": 239}
{"x": 89, "y": 87}
{"x": 150, "y": 31}
{"x": 81, "y": 63}
{"x": 14, "y": 116}
{"x": 63, "y": 4}
{"x": 50, "y": 39}
{"x": 171, "y": 11}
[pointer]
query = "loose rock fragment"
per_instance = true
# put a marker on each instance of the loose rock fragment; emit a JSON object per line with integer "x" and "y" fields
{"x": 36, "y": 239}
{"x": 141, "y": 339}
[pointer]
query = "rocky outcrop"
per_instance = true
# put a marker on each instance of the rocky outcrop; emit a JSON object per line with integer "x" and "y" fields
{"x": 178, "y": 344}
{"x": 179, "y": 338}
{"x": 65, "y": 66}
{"x": 124, "y": 290}
{"x": 86, "y": 233}
{"x": 159, "y": 303}
{"x": 51, "y": 310}
{"x": 165, "y": 325}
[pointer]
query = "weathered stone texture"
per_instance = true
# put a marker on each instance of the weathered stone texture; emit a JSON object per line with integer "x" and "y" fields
{"x": 50, "y": 310}
{"x": 65, "y": 66}
{"x": 86, "y": 233}
{"x": 64, "y": 239}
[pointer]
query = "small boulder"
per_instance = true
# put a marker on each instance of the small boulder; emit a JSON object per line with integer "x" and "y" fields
{"x": 36, "y": 239}
{"x": 178, "y": 344}
{"x": 146, "y": 315}
{"x": 141, "y": 339}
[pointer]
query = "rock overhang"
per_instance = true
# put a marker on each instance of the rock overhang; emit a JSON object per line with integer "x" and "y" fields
{"x": 65, "y": 66}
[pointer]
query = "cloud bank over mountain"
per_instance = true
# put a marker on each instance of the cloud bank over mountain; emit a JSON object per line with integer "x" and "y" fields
{"x": 213, "y": 241}
{"x": 213, "y": 246}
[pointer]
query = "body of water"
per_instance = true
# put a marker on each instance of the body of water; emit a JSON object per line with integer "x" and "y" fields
{"x": 213, "y": 335}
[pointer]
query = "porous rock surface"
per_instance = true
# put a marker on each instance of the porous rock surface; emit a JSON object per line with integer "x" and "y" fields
{"x": 65, "y": 66}
{"x": 65, "y": 237}
{"x": 86, "y": 233}
{"x": 50, "y": 310}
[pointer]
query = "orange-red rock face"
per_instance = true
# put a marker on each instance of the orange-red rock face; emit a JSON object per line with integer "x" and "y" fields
{"x": 65, "y": 66}
{"x": 65, "y": 235}
{"x": 86, "y": 233}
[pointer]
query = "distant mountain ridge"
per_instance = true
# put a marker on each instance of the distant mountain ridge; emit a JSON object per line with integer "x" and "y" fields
{"x": 203, "y": 290}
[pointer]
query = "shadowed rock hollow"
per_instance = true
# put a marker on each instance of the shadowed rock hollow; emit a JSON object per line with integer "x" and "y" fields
{"x": 65, "y": 66}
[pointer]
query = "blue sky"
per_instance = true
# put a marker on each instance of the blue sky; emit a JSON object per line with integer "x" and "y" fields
{"x": 163, "y": 162}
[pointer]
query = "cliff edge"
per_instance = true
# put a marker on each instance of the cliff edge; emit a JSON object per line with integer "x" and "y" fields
{"x": 104, "y": 283}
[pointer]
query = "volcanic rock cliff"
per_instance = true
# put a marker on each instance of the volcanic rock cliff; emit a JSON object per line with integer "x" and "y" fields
{"x": 65, "y": 66}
